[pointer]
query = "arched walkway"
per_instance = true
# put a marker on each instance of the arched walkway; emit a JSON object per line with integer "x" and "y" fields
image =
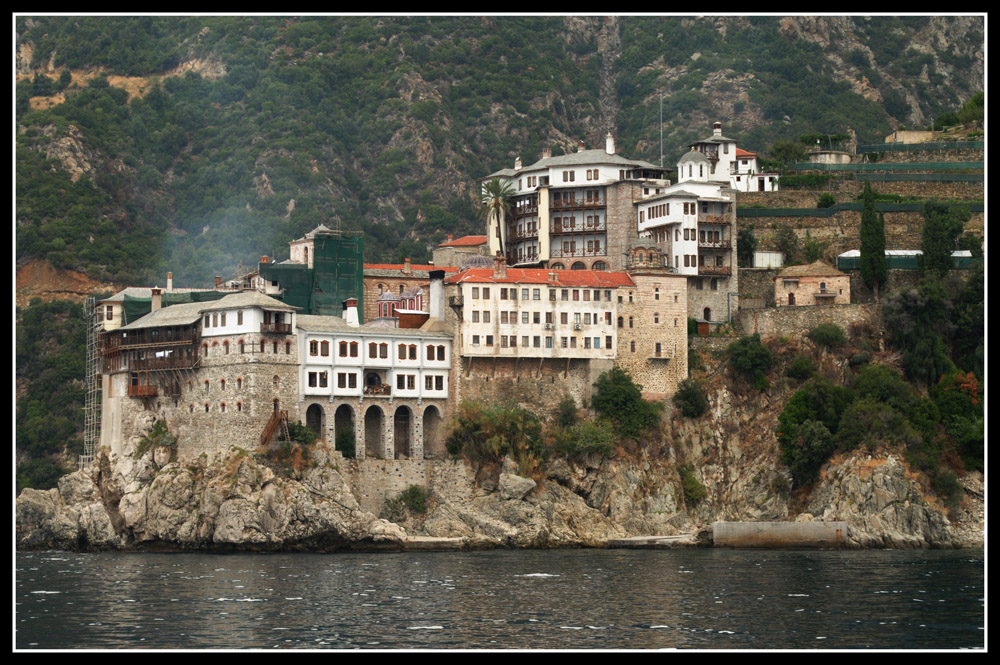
{"x": 373, "y": 432}
{"x": 402, "y": 423}
{"x": 433, "y": 445}
{"x": 315, "y": 420}
{"x": 344, "y": 430}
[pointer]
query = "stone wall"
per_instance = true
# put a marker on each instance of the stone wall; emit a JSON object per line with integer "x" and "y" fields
{"x": 536, "y": 384}
{"x": 655, "y": 312}
{"x": 797, "y": 321}
{"x": 779, "y": 534}
{"x": 847, "y": 191}
{"x": 758, "y": 283}
{"x": 621, "y": 221}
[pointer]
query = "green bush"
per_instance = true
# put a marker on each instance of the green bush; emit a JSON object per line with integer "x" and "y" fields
{"x": 585, "y": 438}
{"x": 415, "y": 498}
{"x": 619, "y": 400}
{"x": 566, "y": 412}
{"x": 345, "y": 443}
{"x": 801, "y": 368}
{"x": 694, "y": 490}
{"x": 825, "y": 200}
{"x": 690, "y": 398}
{"x": 489, "y": 432}
{"x": 808, "y": 451}
{"x": 749, "y": 357}
{"x": 829, "y": 335}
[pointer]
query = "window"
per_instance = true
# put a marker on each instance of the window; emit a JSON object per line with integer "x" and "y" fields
{"x": 489, "y": 340}
{"x": 633, "y": 347}
{"x": 312, "y": 379}
{"x": 440, "y": 352}
{"x": 572, "y": 342}
{"x": 343, "y": 349}
{"x": 314, "y": 348}
{"x": 239, "y": 384}
{"x": 504, "y": 317}
{"x": 373, "y": 350}
{"x": 475, "y": 340}
{"x": 274, "y": 348}
{"x": 428, "y": 383}
{"x": 503, "y": 294}
{"x": 354, "y": 349}
{"x": 586, "y": 342}
{"x": 548, "y": 318}
{"x": 222, "y": 319}
{"x": 656, "y": 295}
{"x": 621, "y": 321}
{"x": 536, "y": 294}
{"x": 565, "y": 342}
{"x": 288, "y": 348}
{"x": 525, "y": 317}
{"x": 222, "y": 385}
{"x": 109, "y": 313}
{"x": 486, "y": 317}
{"x": 225, "y": 347}
{"x": 239, "y": 322}
{"x": 607, "y": 342}
{"x": 565, "y": 294}
{"x": 475, "y": 316}
{"x": 486, "y": 293}
{"x": 239, "y": 406}
{"x": 242, "y": 347}
{"x": 402, "y": 352}
{"x": 430, "y": 353}
{"x": 586, "y": 295}
{"x": 352, "y": 380}
{"x": 324, "y": 348}
{"x": 438, "y": 383}
{"x": 383, "y": 350}
{"x": 563, "y": 318}
{"x": 536, "y": 317}
{"x": 400, "y": 382}
{"x": 323, "y": 380}
{"x": 536, "y": 341}
{"x": 630, "y": 322}
{"x": 413, "y": 351}
{"x": 475, "y": 293}
{"x": 215, "y": 320}
{"x": 548, "y": 342}
{"x": 341, "y": 380}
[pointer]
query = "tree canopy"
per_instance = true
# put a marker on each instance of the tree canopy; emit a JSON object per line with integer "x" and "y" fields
{"x": 874, "y": 267}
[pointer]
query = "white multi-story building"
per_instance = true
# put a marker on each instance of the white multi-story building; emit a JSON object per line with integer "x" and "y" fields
{"x": 534, "y": 313}
{"x": 572, "y": 211}
{"x": 728, "y": 163}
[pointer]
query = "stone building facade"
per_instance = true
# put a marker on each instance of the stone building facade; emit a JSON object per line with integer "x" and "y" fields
{"x": 813, "y": 284}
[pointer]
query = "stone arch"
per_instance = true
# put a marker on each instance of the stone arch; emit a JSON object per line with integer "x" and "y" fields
{"x": 557, "y": 266}
{"x": 343, "y": 421}
{"x": 402, "y": 426}
{"x": 374, "y": 431}
{"x": 579, "y": 265}
{"x": 315, "y": 420}
{"x": 708, "y": 313}
{"x": 600, "y": 265}
{"x": 433, "y": 438}
{"x": 791, "y": 298}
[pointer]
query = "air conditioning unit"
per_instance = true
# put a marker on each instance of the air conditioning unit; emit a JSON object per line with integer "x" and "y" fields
{"x": 548, "y": 326}
{"x": 577, "y": 326}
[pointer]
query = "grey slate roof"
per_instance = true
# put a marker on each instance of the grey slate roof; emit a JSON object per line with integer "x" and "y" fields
{"x": 693, "y": 156}
{"x": 187, "y": 313}
{"x": 335, "y": 324}
{"x": 597, "y": 156}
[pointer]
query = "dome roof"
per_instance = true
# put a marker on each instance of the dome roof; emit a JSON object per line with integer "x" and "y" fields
{"x": 693, "y": 156}
{"x": 477, "y": 261}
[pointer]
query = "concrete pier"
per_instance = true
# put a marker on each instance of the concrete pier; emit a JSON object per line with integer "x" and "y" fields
{"x": 779, "y": 534}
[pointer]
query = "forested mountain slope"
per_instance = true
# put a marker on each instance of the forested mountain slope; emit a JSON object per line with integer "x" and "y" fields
{"x": 191, "y": 144}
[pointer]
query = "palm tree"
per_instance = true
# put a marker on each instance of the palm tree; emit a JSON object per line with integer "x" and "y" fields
{"x": 497, "y": 195}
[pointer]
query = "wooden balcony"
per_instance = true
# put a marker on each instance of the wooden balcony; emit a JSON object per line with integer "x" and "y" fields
{"x": 710, "y": 244}
{"x": 560, "y": 253}
{"x": 117, "y": 340}
{"x": 715, "y": 270}
{"x": 575, "y": 204}
{"x": 142, "y": 391}
{"x": 276, "y": 328}
{"x": 582, "y": 227}
{"x": 713, "y": 219}
{"x": 378, "y": 391}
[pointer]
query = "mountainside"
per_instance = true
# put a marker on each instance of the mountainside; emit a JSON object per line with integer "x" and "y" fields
{"x": 198, "y": 143}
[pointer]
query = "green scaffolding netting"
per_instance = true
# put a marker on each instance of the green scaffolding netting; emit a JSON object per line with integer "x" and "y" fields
{"x": 135, "y": 308}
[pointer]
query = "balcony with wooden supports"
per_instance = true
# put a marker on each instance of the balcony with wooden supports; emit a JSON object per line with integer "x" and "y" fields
{"x": 582, "y": 204}
{"x": 721, "y": 271}
{"x": 704, "y": 218}
{"x": 582, "y": 227}
{"x": 276, "y": 328}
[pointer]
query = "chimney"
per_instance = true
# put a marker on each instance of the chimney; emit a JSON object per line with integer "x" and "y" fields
{"x": 609, "y": 144}
{"x": 553, "y": 277}
{"x": 406, "y": 266}
{"x": 436, "y": 304}
{"x": 517, "y": 163}
{"x": 580, "y": 146}
{"x": 351, "y": 312}
{"x": 218, "y": 282}
{"x": 450, "y": 238}
{"x": 717, "y": 129}
{"x": 499, "y": 266}
{"x": 546, "y": 153}
{"x": 157, "y": 301}
{"x": 264, "y": 259}
{"x": 170, "y": 281}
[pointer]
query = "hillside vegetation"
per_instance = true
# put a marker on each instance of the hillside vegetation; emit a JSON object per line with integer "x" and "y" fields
{"x": 201, "y": 142}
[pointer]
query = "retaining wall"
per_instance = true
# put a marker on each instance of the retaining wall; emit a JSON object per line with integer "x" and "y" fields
{"x": 779, "y": 534}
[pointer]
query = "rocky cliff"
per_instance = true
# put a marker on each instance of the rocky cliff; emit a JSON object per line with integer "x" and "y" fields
{"x": 239, "y": 502}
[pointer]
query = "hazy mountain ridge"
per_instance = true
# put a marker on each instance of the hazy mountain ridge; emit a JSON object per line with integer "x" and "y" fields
{"x": 238, "y": 134}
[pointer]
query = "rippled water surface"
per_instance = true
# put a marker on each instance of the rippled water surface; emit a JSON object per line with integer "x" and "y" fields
{"x": 612, "y": 599}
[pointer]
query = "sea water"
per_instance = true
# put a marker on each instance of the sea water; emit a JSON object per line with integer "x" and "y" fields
{"x": 503, "y": 599}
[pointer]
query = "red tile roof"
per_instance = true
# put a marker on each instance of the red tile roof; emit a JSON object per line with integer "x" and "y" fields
{"x": 743, "y": 153}
{"x": 400, "y": 267}
{"x": 465, "y": 241}
{"x": 591, "y": 278}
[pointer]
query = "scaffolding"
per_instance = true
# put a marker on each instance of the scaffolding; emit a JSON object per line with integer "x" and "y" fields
{"x": 92, "y": 408}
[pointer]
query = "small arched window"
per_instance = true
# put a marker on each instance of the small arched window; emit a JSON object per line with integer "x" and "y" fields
{"x": 225, "y": 347}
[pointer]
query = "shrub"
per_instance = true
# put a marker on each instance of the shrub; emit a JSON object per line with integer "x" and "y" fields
{"x": 808, "y": 452}
{"x": 618, "y": 399}
{"x": 694, "y": 490}
{"x": 415, "y": 498}
{"x": 801, "y": 368}
{"x": 492, "y": 431}
{"x": 345, "y": 443}
{"x": 586, "y": 438}
{"x": 749, "y": 356}
{"x": 566, "y": 412}
{"x": 690, "y": 398}
{"x": 829, "y": 335}
{"x": 826, "y": 200}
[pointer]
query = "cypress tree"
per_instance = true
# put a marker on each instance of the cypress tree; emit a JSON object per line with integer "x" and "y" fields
{"x": 874, "y": 269}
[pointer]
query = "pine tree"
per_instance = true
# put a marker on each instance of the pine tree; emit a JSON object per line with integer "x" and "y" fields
{"x": 874, "y": 269}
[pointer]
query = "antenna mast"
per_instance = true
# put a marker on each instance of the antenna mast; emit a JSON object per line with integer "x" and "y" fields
{"x": 661, "y": 129}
